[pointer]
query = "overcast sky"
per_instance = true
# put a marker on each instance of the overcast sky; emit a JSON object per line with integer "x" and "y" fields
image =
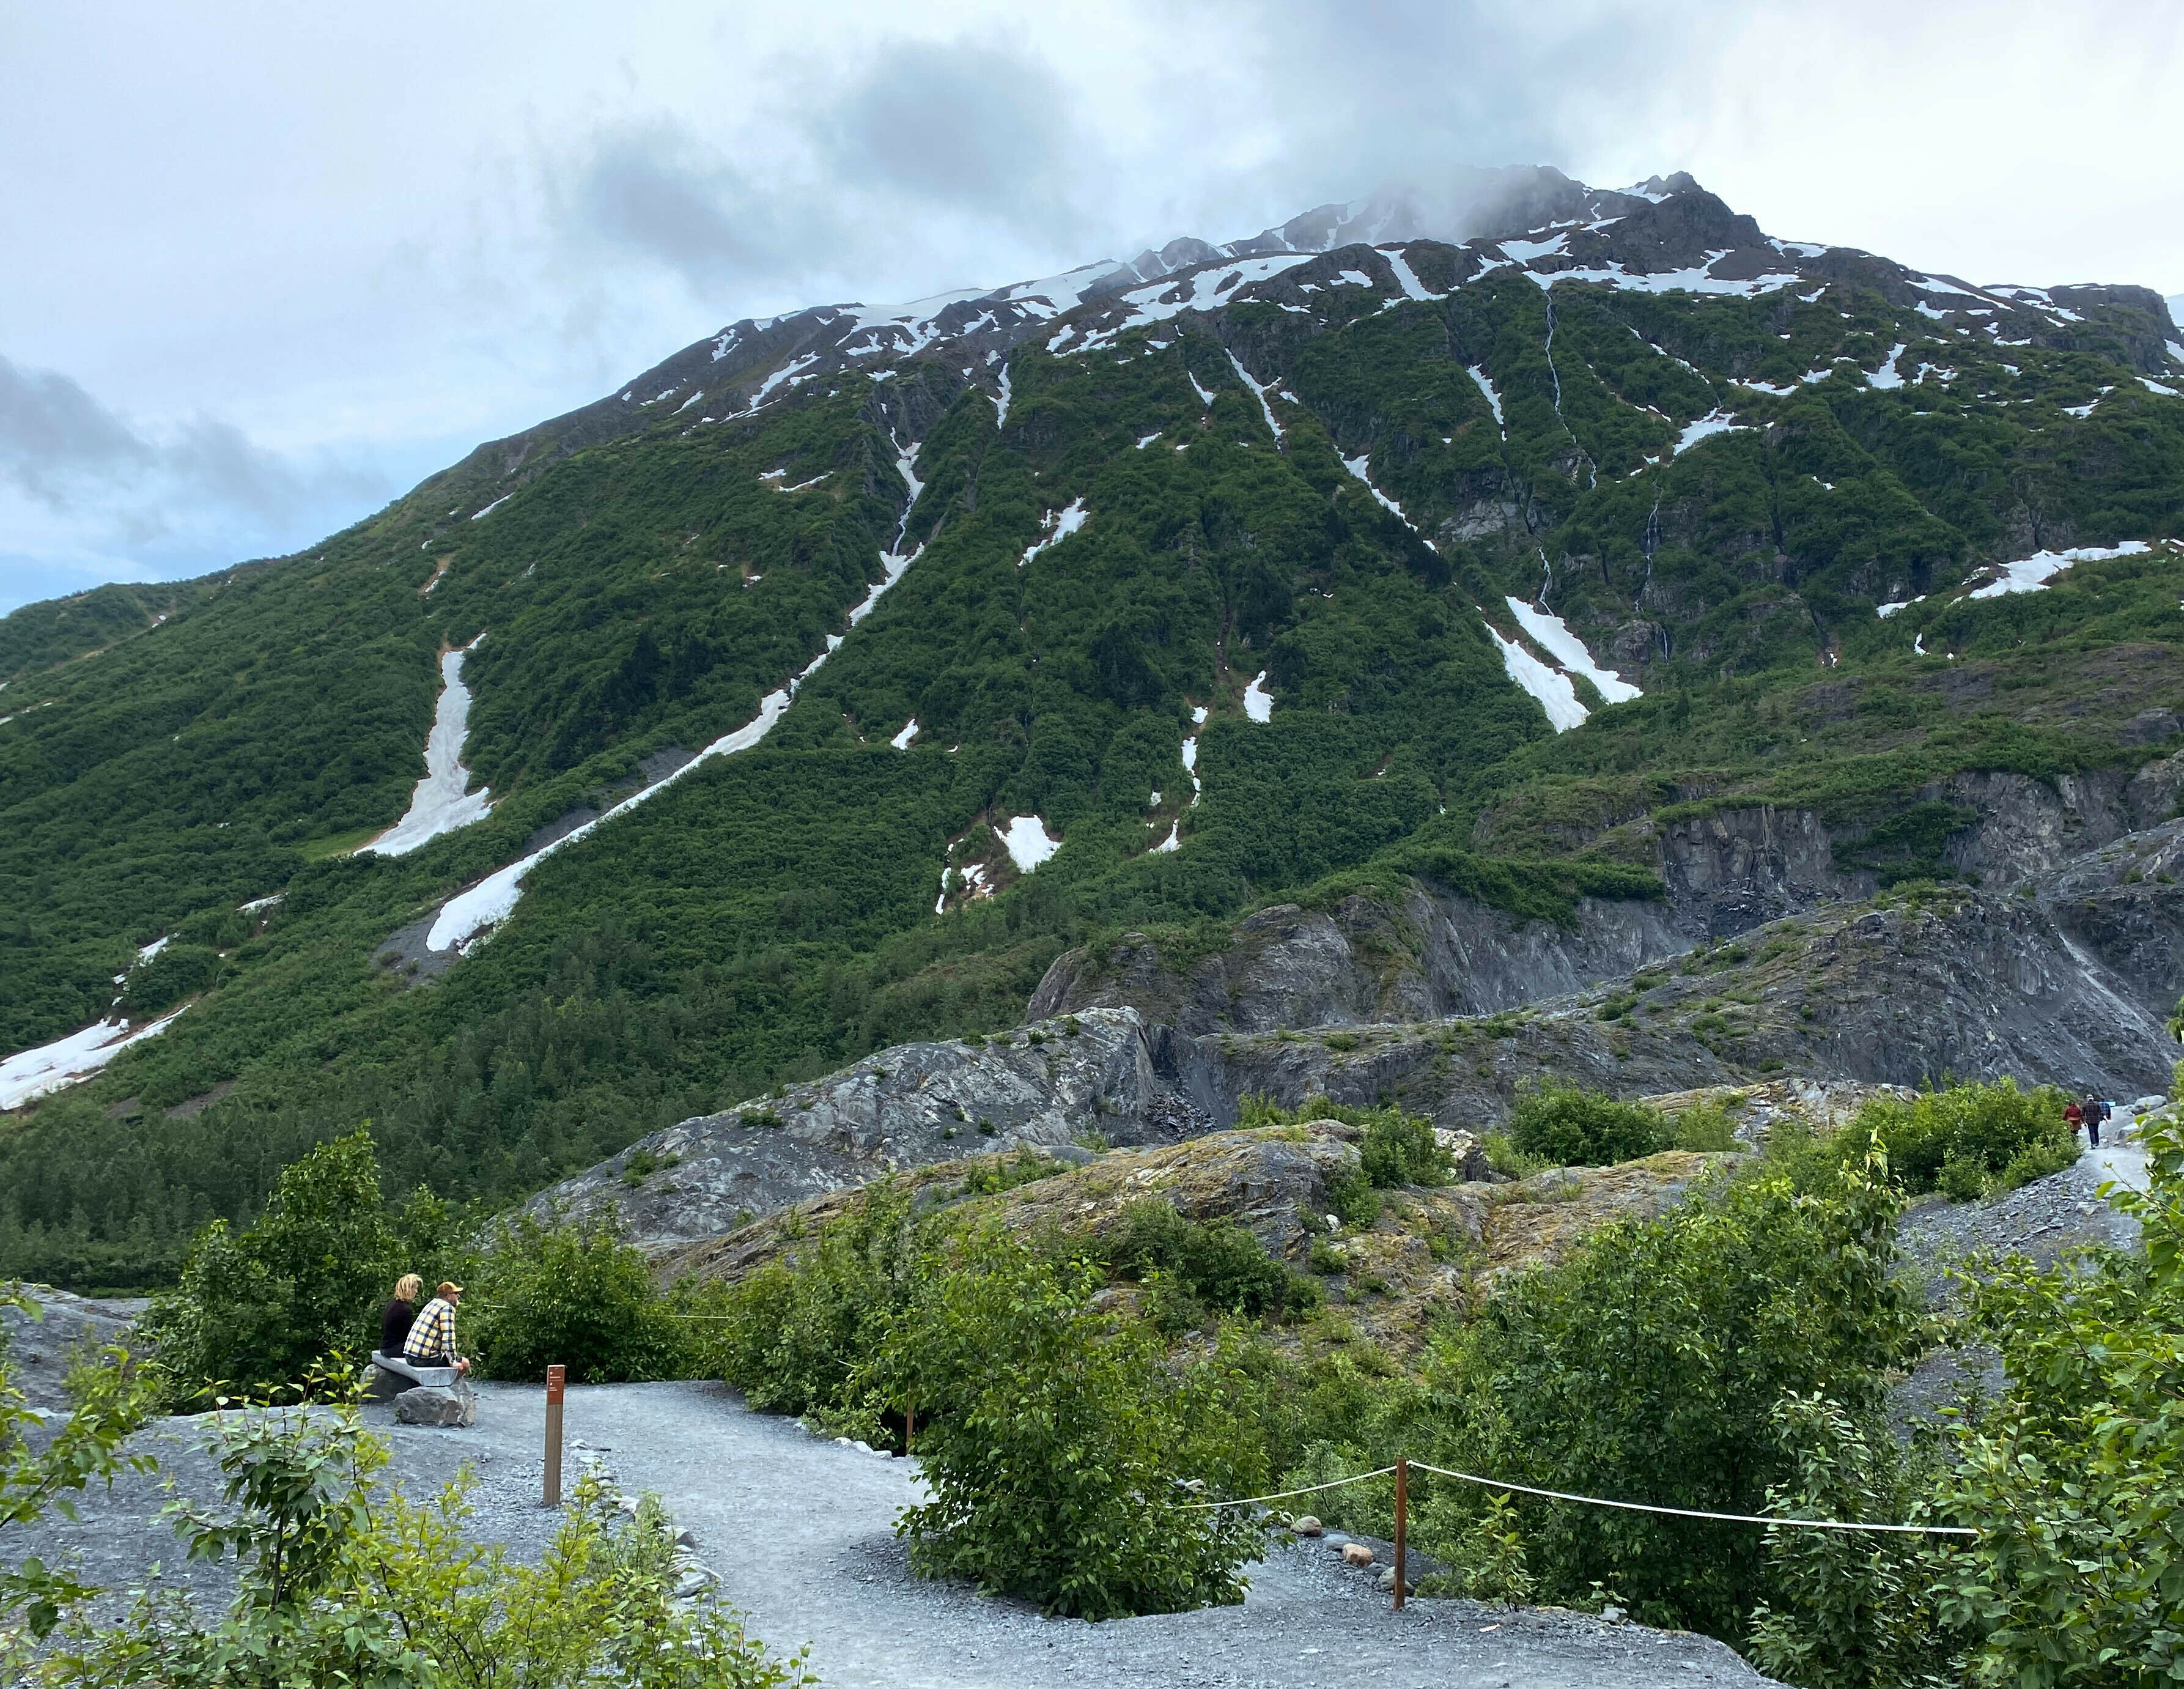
{"x": 268, "y": 265}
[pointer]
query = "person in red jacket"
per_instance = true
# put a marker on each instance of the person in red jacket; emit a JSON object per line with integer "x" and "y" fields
{"x": 2074, "y": 1117}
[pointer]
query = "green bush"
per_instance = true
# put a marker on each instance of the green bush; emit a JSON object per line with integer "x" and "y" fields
{"x": 795, "y": 1334}
{"x": 1645, "y": 1368}
{"x": 575, "y": 1295}
{"x": 1057, "y": 1443}
{"x": 1968, "y": 1138}
{"x": 1568, "y": 1126}
{"x": 257, "y": 1310}
{"x": 1400, "y": 1149}
{"x": 1216, "y": 1269}
{"x": 1706, "y": 1126}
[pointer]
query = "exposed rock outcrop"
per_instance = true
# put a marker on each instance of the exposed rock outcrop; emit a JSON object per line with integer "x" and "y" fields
{"x": 1433, "y": 955}
{"x": 1043, "y": 1084}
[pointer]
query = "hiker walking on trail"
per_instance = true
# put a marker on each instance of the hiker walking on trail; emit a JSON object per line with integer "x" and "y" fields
{"x": 2096, "y": 1110}
{"x": 431, "y": 1340}
{"x": 2073, "y": 1116}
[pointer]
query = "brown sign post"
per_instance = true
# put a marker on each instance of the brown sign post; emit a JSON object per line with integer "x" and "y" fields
{"x": 1402, "y": 1508}
{"x": 557, "y": 1378}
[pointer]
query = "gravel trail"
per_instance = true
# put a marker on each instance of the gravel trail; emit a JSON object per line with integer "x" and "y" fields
{"x": 799, "y": 1532}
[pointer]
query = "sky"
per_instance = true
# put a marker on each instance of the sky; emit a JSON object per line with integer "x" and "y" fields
{"x": 268, "y": 266}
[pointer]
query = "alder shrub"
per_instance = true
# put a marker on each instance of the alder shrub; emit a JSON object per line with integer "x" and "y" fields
{"x": 257, "y": 1309}
{"x": 1063, "y": 1453}
{"x": 578, "y": 1294}
{"x": 1969, "y": 1139}
{"x": 1562, "y": 1125}
{"x": 2073, "y": 1475}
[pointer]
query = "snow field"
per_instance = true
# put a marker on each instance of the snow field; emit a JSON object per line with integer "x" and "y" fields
{"x": 1552, "y": 635}
{"x": 1060, "y": 525}
{"x": 1027, "y": 841}
{"x": 2031, "y": 574}
{"x": 1551, "y": 688}
{"x": 440, "y": 803}
{"x": 29, "y": 1074}
{"x": 1258, "y": 706}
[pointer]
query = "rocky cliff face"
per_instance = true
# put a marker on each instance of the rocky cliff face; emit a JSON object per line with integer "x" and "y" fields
{"x": 1969, "y": 983}
{"x": 2055, "y": 975}
{"x": 1044, "y": 1085}
{"x": 1433, "y": 955}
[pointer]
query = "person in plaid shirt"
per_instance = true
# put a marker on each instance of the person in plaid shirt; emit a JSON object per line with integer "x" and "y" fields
{"x": 431, "y": 1340}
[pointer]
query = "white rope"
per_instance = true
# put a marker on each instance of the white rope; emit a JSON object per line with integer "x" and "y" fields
{"x": 1690, "y": 1513}
{"x": 1279, "y": 1494}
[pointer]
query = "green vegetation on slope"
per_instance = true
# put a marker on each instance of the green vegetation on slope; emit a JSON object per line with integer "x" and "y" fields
{"x": 772, "y": 916}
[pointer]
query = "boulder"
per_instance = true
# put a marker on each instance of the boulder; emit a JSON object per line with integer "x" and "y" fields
{"x": 453, "y": 1405}
{"x": 1307, "y": 1526}
{"x": 1356, "y": 1554}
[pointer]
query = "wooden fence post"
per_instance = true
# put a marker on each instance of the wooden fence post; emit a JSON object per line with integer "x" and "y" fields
{"x": 1402, "y": 1509}
{"x": 557, "y": 1380}
{"x": 909, "y": 1426}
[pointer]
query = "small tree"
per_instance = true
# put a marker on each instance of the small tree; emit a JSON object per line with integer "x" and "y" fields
{"x": 262, "y": 1308}
{"x": 1057, "y": 1445}
{"x": 577, "y": 1295}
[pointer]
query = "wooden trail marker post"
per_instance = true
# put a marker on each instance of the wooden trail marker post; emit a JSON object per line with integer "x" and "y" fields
{"x": 1402, "y": 1508}
{"x": 557, "y": 1378}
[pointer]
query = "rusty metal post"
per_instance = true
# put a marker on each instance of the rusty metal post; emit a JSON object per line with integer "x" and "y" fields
{"x": 557, "y": 1378}
{"x": 908, "y": 1427}
{"x": 1402, "y": 1510}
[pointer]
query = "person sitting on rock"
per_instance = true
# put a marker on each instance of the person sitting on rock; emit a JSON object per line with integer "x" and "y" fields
{"x": 431, "y": 1340}
{"x": 400, "y": 1315}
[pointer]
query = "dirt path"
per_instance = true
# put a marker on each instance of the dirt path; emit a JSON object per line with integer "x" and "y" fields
{"x": 800, "y": 1531}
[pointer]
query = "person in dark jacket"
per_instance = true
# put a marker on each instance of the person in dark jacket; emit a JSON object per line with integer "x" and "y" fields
{"x": 400, "y": 1315}
{"x": 2096, "y": 1110}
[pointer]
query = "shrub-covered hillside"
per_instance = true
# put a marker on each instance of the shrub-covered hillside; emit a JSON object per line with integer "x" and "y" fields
{"x": 1223, "y": 587}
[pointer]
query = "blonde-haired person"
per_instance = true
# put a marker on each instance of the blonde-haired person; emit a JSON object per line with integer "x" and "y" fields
{"x": 431, "y": 1340}
{"x": 400, "y": 1315}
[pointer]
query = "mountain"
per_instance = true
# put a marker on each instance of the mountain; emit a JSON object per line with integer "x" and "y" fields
{"x": 1593, "y": 558}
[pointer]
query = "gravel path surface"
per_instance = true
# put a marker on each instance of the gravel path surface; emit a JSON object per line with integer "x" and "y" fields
{"x": 799, "y": 1532}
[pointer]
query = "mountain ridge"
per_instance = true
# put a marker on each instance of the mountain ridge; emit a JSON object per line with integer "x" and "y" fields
{"x": 1491, "y": 564}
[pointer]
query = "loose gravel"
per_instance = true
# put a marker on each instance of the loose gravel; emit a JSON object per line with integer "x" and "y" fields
{"x": 799, "y": 1531}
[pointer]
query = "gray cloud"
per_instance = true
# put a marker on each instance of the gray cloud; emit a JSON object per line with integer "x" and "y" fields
{"x": 979, "y": 128}
{"x": 53, "y": 435}
{"x": 656, "y": 190}
{"x": 924, "y": 147}
{"x": 62, "y": 448}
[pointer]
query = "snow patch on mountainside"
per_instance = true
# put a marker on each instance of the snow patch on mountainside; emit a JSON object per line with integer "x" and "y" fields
{"x": 1060, "y": 525}
{"x": 1550, "y": 688}
{"x": 441, "y": 804}
{"x": 1258, "y": 392}
{"x": 1493, "y": 398}
{"x": 901, "y": 740}
{"x": 1407, "y": 278}
{"x": 2031, "y": 574}
{"x": 29, "y": 1074}
{"x": 1552, "y": 635}
{"x": 472, "y": 916}
{"x": 1028, "y": 842}
{"x": 1258, "y": 706}
{"x": 1713, "y": 422}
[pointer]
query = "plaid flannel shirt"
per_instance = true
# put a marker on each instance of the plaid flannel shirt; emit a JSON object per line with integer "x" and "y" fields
{"x": 433, "y": 1336}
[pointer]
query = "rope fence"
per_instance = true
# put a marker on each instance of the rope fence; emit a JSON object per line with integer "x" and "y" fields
{"x": 1403, "y": 1468}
